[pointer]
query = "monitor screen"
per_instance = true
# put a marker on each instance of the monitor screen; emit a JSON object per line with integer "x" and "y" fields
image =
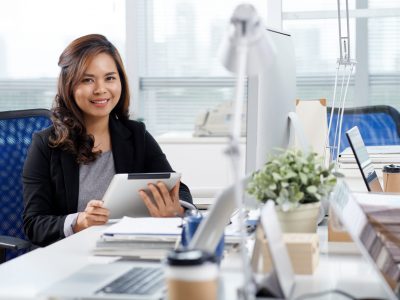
{"x": 271, "y": 96}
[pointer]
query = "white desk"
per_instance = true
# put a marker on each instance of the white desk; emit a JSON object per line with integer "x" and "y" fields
{"x": 26, "y": 276}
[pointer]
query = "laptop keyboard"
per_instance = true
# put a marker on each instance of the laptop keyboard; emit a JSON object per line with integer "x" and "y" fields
{"x": 138, "y": 281}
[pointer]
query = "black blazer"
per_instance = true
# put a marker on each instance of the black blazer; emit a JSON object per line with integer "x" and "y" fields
{"x": 51, "y": 177}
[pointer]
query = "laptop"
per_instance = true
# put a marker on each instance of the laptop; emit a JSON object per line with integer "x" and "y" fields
{"x": 368, "y": 226}
{"x": 363, "y": 160}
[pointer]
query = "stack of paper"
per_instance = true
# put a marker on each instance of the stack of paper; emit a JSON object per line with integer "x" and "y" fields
{"x": 379, "y": 155}
{"x": 144, "y": 238}
{"x": 148, "y": 238}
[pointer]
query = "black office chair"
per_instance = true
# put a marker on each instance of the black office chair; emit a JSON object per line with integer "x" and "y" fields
{"x": 378, "y": 125}
{"x": 16, "y": 129}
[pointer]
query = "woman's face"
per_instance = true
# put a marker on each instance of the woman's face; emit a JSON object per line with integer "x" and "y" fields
{"x": 100, "y": 88}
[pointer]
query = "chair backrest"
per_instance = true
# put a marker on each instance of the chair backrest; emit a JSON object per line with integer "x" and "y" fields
{"x": 16, "y": 129}
{"x": 378, "y": 125}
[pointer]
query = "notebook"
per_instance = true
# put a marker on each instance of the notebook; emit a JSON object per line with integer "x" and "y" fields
{"x": 363, "y": 160}
{"x": 375, "y": 228}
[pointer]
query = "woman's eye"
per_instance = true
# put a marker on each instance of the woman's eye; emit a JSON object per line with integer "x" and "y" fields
{"x": 87, "y": 80}
{"x": 109, "y": 78}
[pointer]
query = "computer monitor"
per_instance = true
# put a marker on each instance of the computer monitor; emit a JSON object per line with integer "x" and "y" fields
{"x": 271, "y": 96}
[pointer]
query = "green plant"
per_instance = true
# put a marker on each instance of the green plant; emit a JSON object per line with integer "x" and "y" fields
{"x": 292, "y": 178}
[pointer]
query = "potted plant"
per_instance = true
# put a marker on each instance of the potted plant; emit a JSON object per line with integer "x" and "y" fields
{"x": 296, "y": 182}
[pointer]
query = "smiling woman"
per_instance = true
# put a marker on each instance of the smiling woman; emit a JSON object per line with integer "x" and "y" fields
{"x": 70, "y": 165}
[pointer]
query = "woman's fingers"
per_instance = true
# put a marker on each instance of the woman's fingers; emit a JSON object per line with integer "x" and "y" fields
{"x": 97, "y": 211}
{"x": 94, "y": 214}
{"x": 153, "y": 210}
{"x": 96, "y": 207}
{"x": 157, "y": 197}
{"x": 164, "y": 192}
{"x": 171, "y": 198}
{"x": 166, "y": 203}
{"x": 175, "y": 192}
{"x": 95, "y": 203}
{"x": 96, "y": 219}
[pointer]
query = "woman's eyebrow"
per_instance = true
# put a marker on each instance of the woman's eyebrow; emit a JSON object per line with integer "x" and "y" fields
{"x": 91, "y": 75}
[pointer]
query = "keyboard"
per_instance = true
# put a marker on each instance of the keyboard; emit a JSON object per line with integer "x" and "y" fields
{"x": 137, "y": 281}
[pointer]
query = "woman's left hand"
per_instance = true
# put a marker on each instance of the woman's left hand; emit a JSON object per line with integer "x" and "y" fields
{"x": 165, "y": 204}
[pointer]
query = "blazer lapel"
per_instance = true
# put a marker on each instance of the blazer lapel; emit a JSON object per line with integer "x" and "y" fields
{"x": 122, "y": 147}
{"x": 71, "y": 178}
{"x": 123, "y": 153}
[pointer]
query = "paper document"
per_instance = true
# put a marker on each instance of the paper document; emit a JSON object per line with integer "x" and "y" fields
{"x": 145, "y": 226}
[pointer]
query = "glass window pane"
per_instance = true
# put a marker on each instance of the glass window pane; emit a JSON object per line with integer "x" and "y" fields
{"x": 185, "y": 105}
{"x": 317, "y": 50}
{"x": 384, "y": 61}
{"x": 383, "y": 3}
{"x": 181, "y": 37}
{"x": 377, "y": 77}
{"x": 178, "y": 41}
{"x": 313, "y": 5}
{"x": 34, "y": 33}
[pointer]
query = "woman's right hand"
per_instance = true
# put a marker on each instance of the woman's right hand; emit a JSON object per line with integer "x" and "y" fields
{"x": 94, "y": 214}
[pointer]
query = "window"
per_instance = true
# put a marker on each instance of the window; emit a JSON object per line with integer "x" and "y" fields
{"x": 314, "y": 27}
{"x": 375, "y": 40}
{"x": 179, "y": 71}
{"x": 34, "y": 33}
{"x": 384, "y": 55}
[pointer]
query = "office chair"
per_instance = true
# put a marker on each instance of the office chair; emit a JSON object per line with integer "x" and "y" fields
{"x": 378, "y": 125}
{"x": 16, "y": 129}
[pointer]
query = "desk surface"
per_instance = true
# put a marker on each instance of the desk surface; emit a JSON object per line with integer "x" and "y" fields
{"x": 26, "y": 276}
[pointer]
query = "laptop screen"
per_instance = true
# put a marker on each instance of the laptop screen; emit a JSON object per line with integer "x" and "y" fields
{"x": 375, "y": 228}
{"x": 363, "y": 161}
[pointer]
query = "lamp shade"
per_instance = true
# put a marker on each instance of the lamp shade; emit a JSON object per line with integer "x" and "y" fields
{"x": 246, "y": 29}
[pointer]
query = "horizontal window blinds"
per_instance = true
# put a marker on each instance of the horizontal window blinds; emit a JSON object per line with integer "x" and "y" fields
{"x": 180, "y": 73}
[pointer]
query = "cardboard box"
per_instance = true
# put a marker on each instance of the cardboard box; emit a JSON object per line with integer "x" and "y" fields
{"x": 303, "y": 249}
{"x": 336, "y": 232}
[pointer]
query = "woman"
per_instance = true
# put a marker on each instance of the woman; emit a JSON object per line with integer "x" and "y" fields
{"x": 70, "y": 165}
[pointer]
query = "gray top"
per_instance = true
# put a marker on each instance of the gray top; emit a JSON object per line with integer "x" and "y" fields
{"x": 94, "y": 180}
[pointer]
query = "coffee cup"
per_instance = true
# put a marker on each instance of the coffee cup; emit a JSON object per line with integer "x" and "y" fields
{"x": 191, "y": 274}
{"x": 391, "y": 179}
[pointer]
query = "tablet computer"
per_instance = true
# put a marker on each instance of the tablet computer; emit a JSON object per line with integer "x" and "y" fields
{"x": 122, "y": 197}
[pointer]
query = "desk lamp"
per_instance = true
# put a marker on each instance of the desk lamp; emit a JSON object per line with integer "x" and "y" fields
{"x": 344, "y": 65}
{"x": 245, "y": 50}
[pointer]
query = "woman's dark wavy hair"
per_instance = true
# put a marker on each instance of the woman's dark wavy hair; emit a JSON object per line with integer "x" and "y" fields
{"x": 69, "y": 128}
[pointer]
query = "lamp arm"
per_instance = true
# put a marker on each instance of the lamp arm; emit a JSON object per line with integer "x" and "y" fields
{"x": 248, "y": 290}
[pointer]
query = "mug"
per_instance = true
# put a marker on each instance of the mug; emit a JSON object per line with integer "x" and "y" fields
{"x": 189, "y": 229}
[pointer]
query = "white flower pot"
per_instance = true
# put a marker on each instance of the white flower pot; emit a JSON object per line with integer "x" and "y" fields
{"x": 302, "y": 219}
